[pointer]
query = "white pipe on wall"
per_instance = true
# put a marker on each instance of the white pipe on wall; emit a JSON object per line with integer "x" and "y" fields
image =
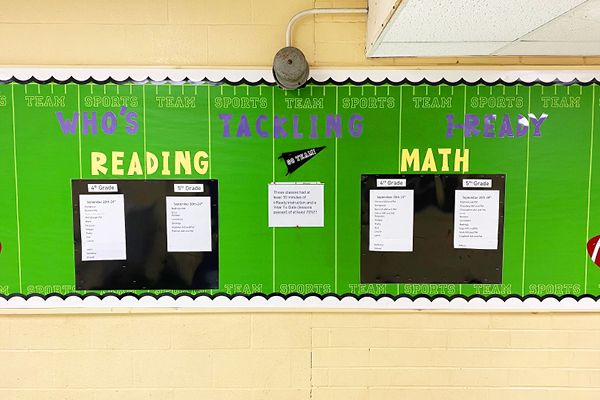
{"x": 288, "y": 33}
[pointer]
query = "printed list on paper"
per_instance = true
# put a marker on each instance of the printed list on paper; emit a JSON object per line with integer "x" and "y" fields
{"x": 476, "y": 219}
{"x": 391, "y": 220}
{"x": 102, "y": 225}
{"x": 188, "y": 224}
{"x": 296, "y": 205}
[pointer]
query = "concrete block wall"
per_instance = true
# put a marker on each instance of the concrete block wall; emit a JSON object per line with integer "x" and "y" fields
{"x": 174, "y": 354}
{"x": 168, "y": 355}
{"x": 191, "y": 33}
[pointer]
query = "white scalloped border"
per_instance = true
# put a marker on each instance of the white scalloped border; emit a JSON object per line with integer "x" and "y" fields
{"x": 320, "y": 75}
{"x": 296, "y": 302}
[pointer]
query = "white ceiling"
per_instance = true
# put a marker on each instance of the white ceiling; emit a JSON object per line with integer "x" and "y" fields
{"x": 478, "y": 27}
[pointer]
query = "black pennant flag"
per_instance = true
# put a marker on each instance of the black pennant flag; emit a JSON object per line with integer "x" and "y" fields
{"x": 295, "y": 159}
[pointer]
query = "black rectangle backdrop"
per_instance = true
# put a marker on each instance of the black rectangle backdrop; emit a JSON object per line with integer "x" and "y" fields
{"x": 434, "y": 258}
{"x": 148, "y": 264}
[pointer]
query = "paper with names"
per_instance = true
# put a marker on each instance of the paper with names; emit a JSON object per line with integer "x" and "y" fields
{"x": 102, "y": 225}
{"x": 391, "y": 220}
{"x": 476, "y": 214}
{"x": 188, "y": 224}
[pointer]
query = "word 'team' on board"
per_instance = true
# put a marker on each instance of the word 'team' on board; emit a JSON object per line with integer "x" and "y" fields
{"x": 432, "y": 102}
{"x": 434, "y": 161}
{"x": 561, "y": 101}
{"x": 182, "y": 163}
{"x": 176, "y": 101}
{"x": 491, "y": 126}
{"x": 281, "y": 127}
{"x": 45, "y": 101}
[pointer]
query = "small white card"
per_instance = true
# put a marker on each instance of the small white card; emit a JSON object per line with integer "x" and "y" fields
{"x": 188, "y": 188}
{"x": 188, "y": 224}
{"x": 477, "y": 183}
{"x": 391, "y": 182}
{"x": 102, "y": 188}
{"x": 476, "y": 214}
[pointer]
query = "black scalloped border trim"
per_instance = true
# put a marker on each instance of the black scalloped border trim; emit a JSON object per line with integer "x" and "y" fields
{"x": 121, "y": 296}
{"x": 311, "y": 81}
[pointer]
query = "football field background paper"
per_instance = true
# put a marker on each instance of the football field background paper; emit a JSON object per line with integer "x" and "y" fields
{"x": 234, "y": 133}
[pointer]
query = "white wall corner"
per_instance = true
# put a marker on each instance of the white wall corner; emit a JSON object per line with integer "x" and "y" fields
{"x": 380, "y": 13}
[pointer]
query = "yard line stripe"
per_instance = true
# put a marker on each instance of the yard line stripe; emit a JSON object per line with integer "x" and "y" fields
{"x": 12, "y": 87}
{"x": 526, "y": 206}
{"x": 589, "y": 200}
{"x": 273, "y": 176}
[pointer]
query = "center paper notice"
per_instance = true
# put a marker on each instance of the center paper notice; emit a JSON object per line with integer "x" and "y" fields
{"x": 476, "y": 219}
{"x": 296, "y": 205}
{"x": 391, "y": 216}
{"x": 188, "y": 224}
{"x": 102, "y": 222}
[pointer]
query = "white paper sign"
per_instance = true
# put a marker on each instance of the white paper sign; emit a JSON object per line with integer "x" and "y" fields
{"x": 476, "y": 214}
{"x": 293, "y": 205}
{"x": 102, "y": 188}
{"x": 188, "y": 224}
{"x": 188, "y": 188}
{"x": 477, "y": 183}
{"x": 391, "y": 182}
{"x": 102, "y": 225}
{"x": 391, "y": 220}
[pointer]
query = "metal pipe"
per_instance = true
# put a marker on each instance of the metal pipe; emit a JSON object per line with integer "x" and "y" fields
{"x": 288, "y": 33}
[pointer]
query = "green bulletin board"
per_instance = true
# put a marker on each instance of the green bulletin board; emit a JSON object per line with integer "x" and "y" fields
{"x": 544, "y": 137}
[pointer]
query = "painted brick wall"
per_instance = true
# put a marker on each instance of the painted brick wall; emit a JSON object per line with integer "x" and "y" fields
{"x": 261, "y": 355}
{"x": 190, "y": 33}
{"x": 296, "y": 355}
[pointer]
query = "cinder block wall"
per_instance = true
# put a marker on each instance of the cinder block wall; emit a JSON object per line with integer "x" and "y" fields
{"x": 298, "y": 355}
{"x": 137, "y": 354}
{"x": 188, "y": 33}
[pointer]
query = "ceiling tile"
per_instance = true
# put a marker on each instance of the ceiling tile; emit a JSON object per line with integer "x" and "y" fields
{"x": 400, "y": 49}
{"x": 469, "y": 20}
{"x": 568, "y": 28}
{"x": 590, "y": 11}
{"x": 551, "y": 48}
{"x": 473, "y": 27}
